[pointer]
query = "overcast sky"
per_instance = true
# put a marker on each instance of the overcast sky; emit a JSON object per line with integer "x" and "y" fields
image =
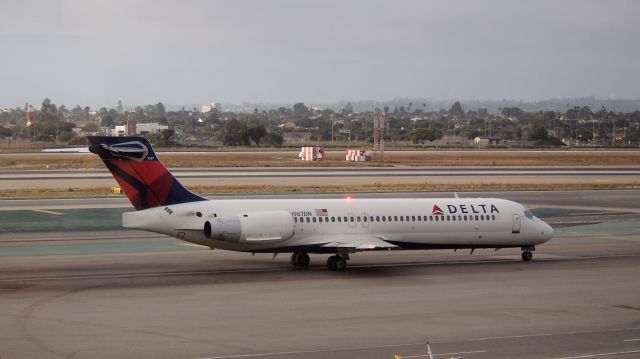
{"x": 183, "y": 52}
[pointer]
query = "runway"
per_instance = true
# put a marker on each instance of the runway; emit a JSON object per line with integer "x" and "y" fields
{"x": 133, "y": 294}
{"x": 614, "y": 176}
{"x": 260, "y": 172}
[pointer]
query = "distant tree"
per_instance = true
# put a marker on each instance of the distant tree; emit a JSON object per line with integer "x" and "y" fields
{"x": 91, "y": 127}
{"x": 539, "y": 133}
{"x": 456, "y": 110}
{"x": 420, "y": 135}
{"x": 632, "y": 135}
{"x": 299, "y": 109}
{"x": 167, "y": 135}
{"x": 48, "y": 111}
{"x": 348, "y": 108}
{"x": 5, "y": 132}
{"x": 159, "y": 109}
{"x": 273, "y": 138}
{"x": 256, "y": 133}
{"x": 234, "y": 133}
{"x": 77, "y": 141}
{"x": 107, "y": 121}
{"x": 514, "y": 112}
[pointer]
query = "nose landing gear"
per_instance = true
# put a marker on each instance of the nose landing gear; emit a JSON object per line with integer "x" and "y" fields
{"x": 526, "y": 253}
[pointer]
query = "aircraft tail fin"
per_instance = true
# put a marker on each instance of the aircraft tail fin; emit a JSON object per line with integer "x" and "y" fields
{"x": 135, "y": 166}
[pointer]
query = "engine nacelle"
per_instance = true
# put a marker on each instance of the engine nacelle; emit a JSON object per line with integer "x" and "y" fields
{"x": 257, "y": 227}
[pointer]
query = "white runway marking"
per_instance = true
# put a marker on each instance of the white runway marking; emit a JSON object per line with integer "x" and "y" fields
{"x": 256, "y": 355}
{"x": 554, "y": 334}
{"x": 441, "y": 354}
{"x": 600, "y": 355}
{"x": 48, "y": 212}
{"x": 631, "y": 340}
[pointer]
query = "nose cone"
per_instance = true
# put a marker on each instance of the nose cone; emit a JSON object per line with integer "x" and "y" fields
{"x": 546, "y": 232}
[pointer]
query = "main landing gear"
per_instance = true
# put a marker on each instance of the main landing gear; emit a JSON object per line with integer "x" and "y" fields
{"x": 300, "y": 259}
{"x": 337, "y": 262}
{"x": 526, "y": 253}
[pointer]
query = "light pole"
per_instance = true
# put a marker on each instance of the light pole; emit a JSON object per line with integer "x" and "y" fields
{"x": 331, "y": 128}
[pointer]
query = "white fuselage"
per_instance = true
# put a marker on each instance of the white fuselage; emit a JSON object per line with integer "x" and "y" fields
{"x": 408, "y": 223}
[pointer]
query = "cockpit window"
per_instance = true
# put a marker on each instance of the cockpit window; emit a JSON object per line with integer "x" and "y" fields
{"x": 528, "y": 214}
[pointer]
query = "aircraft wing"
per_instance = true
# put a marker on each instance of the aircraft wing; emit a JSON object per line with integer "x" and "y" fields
{"x": 360, "y": 243}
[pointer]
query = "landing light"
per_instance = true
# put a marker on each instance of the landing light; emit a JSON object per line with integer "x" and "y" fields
{"x": 348, "y": 198}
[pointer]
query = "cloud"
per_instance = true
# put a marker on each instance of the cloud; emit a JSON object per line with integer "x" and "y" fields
{"x": 316, "y": 51}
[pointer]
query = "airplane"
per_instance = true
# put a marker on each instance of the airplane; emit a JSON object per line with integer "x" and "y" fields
{"x": 339, "y": 227}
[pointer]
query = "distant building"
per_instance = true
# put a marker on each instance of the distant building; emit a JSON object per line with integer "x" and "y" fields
{"x": 152, "y": 127}
{"x": 139, "y": 129}
{"x": 210, "y": 107}
{"x": 131, "y": 126}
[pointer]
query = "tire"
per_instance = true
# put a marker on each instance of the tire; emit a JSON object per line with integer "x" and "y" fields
{"x": 303, "y": 260}
{"x": 331, "y": 262}
{"x": 527, "y": 256}
{"x": 340, "y": 263}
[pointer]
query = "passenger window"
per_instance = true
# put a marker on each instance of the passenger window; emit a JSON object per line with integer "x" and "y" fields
{"x": 401, "y": 219}
{"x": 437, "y": 219}
{"x": 384, "y": 218}
{"x": 419, "y": 218}
{"x": 358, "y": 218}
{"x": 431, "y": 218}
{"x": 314, "y": 219}
{"x": 364, "y": 218}
{"x": 448, "y": 218}
{"x": 395, "y": 218}
{"x": 308, "y": 219}
{"x": 453, "y": 218}
{"x": 370, "y": 218}
{"x": 377, "y": 218}
{"x": 345, "y": 218}
{"x": 333, "y": 219}
{"x": 352, "y": 219}
{"x": 493, "y": 217}
{"x": 339, "y": 219}
{"x": 465, "y": 217}
{"x": 476, "y": 217}
{"x": 295, "y": 219}
{"x": 459, "y": 218}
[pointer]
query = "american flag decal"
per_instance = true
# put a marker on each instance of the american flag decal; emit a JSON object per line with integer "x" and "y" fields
{"x": 322, "y": 212}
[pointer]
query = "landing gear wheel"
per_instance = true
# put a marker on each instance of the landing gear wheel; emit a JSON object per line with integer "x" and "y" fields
{"x": 331, "y": 262}
{"x": 527, "y": 256}
{"x": 336, "y": 263}
{"x": 341, "y": 263}
{"x": 300, "y": 259}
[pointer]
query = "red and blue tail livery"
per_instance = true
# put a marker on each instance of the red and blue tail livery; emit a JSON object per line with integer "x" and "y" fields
{"x": 136, "y": 168}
